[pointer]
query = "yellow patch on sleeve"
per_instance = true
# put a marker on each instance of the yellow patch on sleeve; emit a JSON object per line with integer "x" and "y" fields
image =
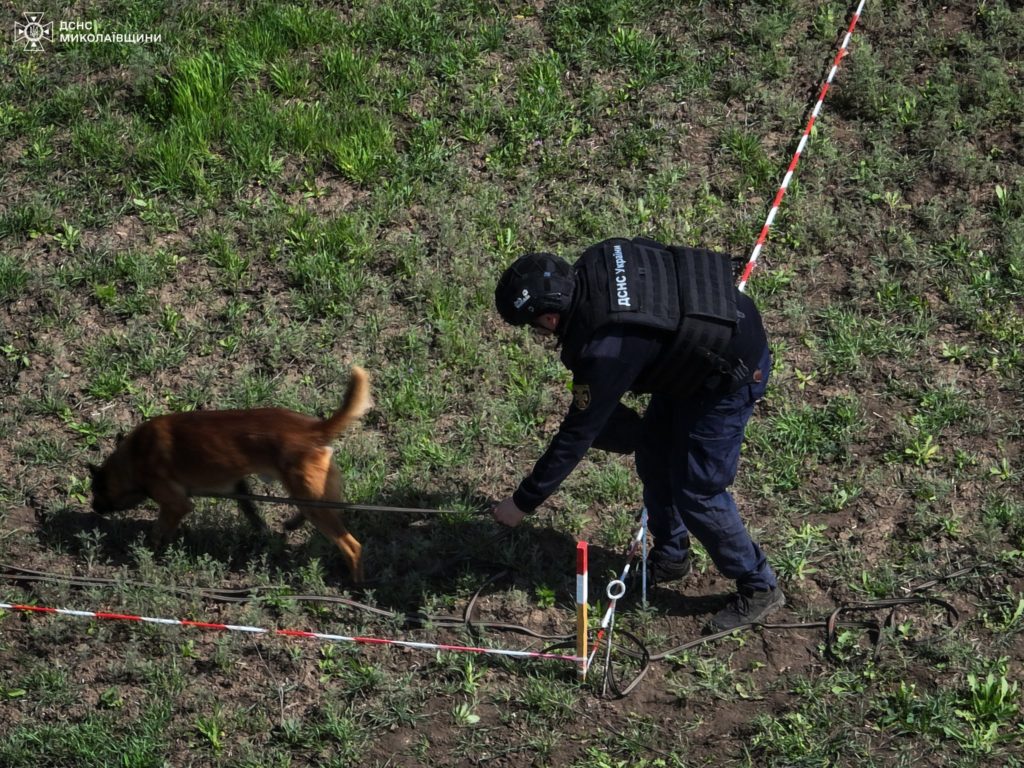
{"x": 581, "y": 396}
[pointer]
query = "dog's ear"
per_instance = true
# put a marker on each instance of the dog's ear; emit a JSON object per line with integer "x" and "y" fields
{"x": 93, "y": 471}
{"x": 119, "y": 439}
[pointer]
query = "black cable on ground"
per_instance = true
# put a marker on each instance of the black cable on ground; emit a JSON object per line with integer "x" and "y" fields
{"x": 638, "y": 653}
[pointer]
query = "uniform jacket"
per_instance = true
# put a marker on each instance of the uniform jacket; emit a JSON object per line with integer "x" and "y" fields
{"x": 615, "y": 359}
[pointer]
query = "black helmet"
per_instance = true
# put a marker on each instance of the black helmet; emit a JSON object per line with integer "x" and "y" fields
{"x": 535, "y": 284}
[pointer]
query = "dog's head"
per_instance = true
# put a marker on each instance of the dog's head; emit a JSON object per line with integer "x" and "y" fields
{"x": 113, "y": 487}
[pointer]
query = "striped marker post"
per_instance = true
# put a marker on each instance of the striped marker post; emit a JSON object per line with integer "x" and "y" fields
{"x": 290, "y": 633}
{"x": 582, "y": 576}
{"x": 800, "y": 148}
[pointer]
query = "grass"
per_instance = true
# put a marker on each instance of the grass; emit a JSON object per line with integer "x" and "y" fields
{"x": 234, "y": 216}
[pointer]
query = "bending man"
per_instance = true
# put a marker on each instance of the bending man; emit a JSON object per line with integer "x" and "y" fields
{"x": 635, "y": 315}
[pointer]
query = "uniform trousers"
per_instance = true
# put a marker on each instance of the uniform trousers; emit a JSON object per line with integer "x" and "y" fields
{"x": 687, "y": 458}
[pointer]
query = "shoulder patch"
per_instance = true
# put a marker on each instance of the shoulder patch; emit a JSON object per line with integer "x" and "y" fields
{"x": 581, "y": 396}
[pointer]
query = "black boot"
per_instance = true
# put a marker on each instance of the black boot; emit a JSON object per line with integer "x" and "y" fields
{"x": 747, "y": 606}
{"x": 665, "y": 571}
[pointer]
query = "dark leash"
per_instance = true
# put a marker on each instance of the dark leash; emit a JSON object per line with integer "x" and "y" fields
{"x": 341, "y": 505}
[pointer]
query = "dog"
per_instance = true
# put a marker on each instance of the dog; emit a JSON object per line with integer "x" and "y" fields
{"x": 169, "y": 458}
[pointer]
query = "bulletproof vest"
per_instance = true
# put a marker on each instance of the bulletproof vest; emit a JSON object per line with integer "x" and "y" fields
{"x": 685, "y": 293}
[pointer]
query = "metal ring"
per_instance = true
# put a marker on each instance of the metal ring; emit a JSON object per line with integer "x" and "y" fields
{"x": 620, "y": 587}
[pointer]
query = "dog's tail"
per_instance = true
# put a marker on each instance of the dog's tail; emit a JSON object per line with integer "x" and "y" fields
{"x": 357, "y": 402}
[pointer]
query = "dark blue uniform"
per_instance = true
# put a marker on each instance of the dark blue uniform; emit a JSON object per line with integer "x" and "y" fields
{"x": 687, "y": 448}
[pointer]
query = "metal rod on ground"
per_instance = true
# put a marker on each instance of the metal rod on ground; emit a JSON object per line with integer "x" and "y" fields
{"x": 643, "y": 557}
{"x": 615, "y": 590}
{"x": 582, "y": 575}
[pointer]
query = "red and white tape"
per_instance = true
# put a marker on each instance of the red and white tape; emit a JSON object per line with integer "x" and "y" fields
{"x": 800, "y": 148}
{"x": 102, "y": 615}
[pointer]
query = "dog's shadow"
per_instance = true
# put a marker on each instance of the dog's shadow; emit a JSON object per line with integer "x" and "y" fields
{"x": 116, "y": 539}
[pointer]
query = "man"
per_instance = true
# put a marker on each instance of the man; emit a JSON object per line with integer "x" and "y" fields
{"x": 635, "y": 315}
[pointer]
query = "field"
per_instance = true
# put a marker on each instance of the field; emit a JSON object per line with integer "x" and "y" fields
{"x": 235, "y": 211}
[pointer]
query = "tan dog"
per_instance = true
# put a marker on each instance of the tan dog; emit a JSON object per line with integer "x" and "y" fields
{"x": 169, "y": 458}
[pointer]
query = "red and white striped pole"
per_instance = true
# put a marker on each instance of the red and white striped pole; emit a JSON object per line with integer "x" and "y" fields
{"x": 800, "y": 148}
{"x": 582, "y": 576}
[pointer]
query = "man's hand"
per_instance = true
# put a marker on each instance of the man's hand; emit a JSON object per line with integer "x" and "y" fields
{"x": 507, "y": 513}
